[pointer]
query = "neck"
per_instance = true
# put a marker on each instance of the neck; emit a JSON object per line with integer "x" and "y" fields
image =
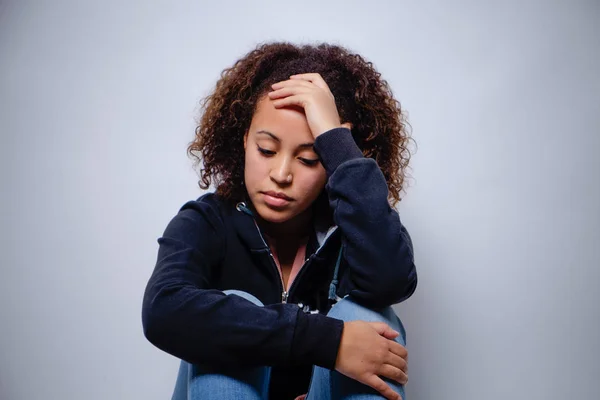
{"x": 292, "y": 229}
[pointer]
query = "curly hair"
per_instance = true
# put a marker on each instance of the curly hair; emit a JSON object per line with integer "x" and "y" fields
{"x": 362, "y": 97}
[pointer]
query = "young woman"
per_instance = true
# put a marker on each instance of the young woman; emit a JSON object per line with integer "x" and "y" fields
{"x": 280, "y": 282}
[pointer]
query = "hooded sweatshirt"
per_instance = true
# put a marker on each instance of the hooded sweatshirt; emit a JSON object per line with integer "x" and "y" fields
{"x": 212, "y": 245}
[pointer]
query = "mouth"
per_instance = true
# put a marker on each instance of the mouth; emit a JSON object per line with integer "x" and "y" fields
{"x": 276, "y": 199}
{"x": 278, "y": 195}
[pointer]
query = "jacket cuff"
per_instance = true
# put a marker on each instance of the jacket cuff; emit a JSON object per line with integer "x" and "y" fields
{"x": 316, "y": 340}
{"x": 335, "y": 147}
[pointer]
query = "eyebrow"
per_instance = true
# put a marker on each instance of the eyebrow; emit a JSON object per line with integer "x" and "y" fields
{"x": 310, "y": 145}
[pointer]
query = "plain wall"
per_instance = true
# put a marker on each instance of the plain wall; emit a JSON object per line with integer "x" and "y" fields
{"x": 97, "y": 106}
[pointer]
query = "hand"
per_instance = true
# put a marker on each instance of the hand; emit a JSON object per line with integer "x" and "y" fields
{"x": 310, "y": 92}
{"x": 367, "y": 351}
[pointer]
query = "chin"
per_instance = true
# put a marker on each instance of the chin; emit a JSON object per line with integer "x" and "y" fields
{"x": 274, "y": 216}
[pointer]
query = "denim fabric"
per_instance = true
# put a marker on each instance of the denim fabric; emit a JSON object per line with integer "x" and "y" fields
{"x": 195, "y": 382}
{"x": 332, "y": 385}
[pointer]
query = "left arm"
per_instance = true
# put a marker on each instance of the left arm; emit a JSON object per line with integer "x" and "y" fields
{"x": 377, "y": 248}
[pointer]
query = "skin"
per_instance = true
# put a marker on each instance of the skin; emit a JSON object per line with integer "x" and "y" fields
{"x": 280, "y": 157}
{"x": 283, "y": 160}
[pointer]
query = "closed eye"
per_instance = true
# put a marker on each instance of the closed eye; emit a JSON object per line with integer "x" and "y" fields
{"x": 265, "y": 151}
{"x": 308, "y": 162}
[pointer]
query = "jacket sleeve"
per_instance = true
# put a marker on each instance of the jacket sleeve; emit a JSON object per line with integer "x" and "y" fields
{"x": 183, "y": 316}
{"x": 377, "y": 249}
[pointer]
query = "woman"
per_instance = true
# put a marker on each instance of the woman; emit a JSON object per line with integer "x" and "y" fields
{"x": 280, "y": 282}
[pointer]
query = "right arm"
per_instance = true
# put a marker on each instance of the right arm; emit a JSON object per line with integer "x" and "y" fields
{"x": 183, "y": 316}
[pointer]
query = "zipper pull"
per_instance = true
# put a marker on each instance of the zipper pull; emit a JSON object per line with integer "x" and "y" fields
{"x": 284, "y": 297}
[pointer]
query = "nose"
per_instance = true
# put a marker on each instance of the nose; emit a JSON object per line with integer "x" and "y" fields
{"x": 281, "y": 173}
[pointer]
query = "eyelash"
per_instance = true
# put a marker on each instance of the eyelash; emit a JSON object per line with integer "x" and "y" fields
{"x": 268, "y": 153}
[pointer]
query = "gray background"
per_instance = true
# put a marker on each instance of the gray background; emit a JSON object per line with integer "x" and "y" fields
{"x": 97, "y": 105}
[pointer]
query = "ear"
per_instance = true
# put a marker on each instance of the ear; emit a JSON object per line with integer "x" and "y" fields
{"x": 245, "y": 139}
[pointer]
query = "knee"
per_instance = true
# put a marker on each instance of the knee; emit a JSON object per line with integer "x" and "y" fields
{"x": 348, "y": 310}
{"x": 245, "y": 295}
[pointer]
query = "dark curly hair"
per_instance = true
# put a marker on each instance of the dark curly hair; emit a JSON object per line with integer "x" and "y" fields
{"x": 362, "y": 98}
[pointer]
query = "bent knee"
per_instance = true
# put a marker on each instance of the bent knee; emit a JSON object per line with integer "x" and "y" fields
{"x": 348, "y": 310}
{"x": 245, "y": 295}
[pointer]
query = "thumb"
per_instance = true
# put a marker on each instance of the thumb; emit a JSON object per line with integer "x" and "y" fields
{"x": 384, "y": 330}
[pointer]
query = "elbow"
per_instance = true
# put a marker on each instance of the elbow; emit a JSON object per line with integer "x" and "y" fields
{"x": 385, "y": 289}
{"x": 163, "y": 330}
{"x": 167, "y": 326}
{"x": 396, "y": 289}
{"x": 398, "y": 281}
{"x": 401, "y": 282}
{"x": 160, "y": 321}
{"x": 153, "y": 325}
{"x": 404, "y": 288}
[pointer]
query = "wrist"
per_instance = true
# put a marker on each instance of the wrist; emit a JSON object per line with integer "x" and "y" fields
{"x": 326, "y": 128}
{"x": 335, "y": 147}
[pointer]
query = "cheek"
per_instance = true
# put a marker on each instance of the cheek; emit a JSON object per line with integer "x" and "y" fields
{"x": 311, "y": 184}
{"x": 255, "y": 168}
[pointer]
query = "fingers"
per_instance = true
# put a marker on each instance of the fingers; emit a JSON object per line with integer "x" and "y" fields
{"x": 288, "y": 91}
{"x": 315, "y": 78}
{"x": 384, "y": 330}
{"x": 396, "y": 374}
{"x": 398, "y": 349}
{"x": 297, "y": 100}
{"x": 380, "y": 327}
{"x": 397, "y": 362}
{"x": 386, "y": 391}
{"x": 293, "y": 83}
{"x": 390, "y": 334}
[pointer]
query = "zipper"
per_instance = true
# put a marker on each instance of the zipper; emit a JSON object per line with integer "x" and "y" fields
{"x": 284, "y": 293}
{"x": 307, "y": 263}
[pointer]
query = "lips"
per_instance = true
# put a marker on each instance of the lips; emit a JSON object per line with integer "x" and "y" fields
{"x": 278, "y": 195}
{"x": 276, "y": 200}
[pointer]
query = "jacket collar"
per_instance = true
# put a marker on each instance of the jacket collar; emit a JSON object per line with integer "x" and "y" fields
{"x": 250, "y": 234}
{"x": 247, "y": 229}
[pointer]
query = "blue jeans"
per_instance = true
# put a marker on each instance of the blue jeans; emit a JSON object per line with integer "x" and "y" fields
{"x": 195, "y": 382}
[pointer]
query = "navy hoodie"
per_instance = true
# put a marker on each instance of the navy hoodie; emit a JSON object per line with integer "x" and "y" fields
{"x": 213, "y": 245}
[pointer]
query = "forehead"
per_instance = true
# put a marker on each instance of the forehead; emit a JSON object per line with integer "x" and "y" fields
{"x": 288, "y": 123}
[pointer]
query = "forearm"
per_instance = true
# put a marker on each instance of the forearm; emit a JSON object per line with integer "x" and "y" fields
{"x": 377, "y": 248}
{"x": 184, "y": 317}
